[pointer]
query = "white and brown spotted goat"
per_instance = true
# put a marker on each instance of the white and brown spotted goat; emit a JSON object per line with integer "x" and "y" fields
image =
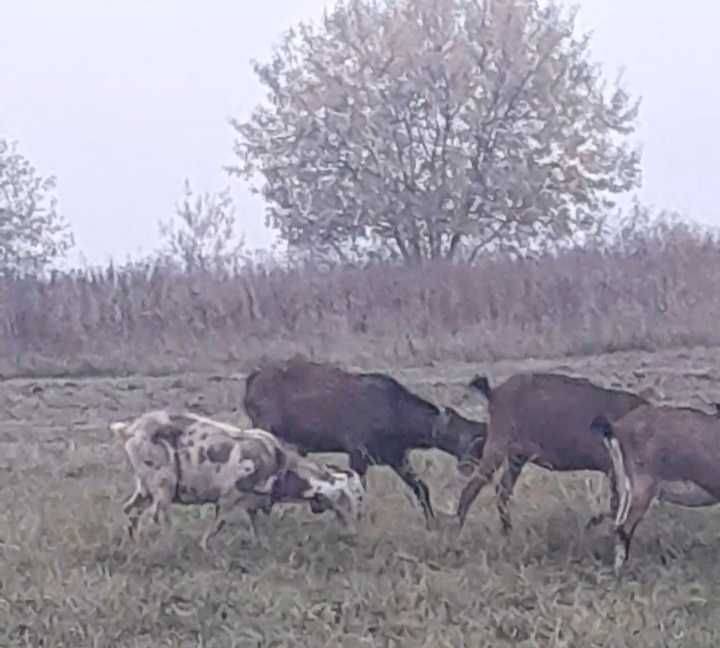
{"x": 189, "y": 459}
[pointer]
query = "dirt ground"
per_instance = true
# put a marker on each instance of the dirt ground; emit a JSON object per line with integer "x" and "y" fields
{"x": 69, "y": 577}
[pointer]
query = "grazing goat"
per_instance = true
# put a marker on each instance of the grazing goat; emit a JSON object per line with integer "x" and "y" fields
{"x": 189, "y": 459}
{"x": 370, "y": 416}
{"x": 542, "y": 418}
{"x": 655, "y": 444}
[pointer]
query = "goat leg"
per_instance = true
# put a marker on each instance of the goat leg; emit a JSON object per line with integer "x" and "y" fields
{"x": 644, "y": 489}
{"x": 493, "y": 457}
{"x": 217, "y": 525}
{"x": 359, "y": 462}
{"x": 505, "y": 487}
{"x": 595, "y": 520}
{"x": 418, "y": 487}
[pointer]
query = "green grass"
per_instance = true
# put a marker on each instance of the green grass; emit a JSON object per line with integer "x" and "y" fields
{"x": 69, "y": 577}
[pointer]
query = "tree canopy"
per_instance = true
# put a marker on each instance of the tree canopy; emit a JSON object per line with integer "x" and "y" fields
{"x": 437, "y": 128}
{"x": 32, "y": 233}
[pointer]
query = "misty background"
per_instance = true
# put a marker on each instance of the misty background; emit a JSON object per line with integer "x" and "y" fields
{"x": 124, "y": 100}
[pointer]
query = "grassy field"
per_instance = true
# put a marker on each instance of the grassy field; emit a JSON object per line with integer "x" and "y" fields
{"x": 68, "y": 576}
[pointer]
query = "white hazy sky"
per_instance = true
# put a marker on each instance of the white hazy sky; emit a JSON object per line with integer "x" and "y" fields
{"x": 122, "y": 100}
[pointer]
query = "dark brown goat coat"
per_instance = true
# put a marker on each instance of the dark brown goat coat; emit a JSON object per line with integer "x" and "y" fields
{"x": 656, "y": 445}
{"x": 543, "y": 418}
{"x": 372, "y": 417}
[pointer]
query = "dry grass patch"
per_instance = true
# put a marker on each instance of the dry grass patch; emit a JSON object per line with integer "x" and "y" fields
{"x": 68, "y": 576}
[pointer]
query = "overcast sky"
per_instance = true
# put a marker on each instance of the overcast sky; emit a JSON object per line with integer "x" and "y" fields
{"x": 122, "y": 100}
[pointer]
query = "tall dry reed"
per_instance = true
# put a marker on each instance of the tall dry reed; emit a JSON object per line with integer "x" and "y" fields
{"x": 659, "y": 289}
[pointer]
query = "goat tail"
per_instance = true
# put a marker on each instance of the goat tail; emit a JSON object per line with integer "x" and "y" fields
{"x": 602, "y": 426}
{"x": 482, "y": 384}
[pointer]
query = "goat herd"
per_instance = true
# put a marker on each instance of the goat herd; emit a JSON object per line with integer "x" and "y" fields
{"x": 554, "y": 421}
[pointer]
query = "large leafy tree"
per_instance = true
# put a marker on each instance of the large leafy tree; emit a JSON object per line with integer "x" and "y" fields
{"x": 434, "y": 127}
{"x": 32, "y": 233}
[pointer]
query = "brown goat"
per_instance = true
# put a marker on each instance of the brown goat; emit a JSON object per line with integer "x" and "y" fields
{"x": 651, "y": 445}
{"x": 542, "y": 418}
{"x": 372, "y": 417}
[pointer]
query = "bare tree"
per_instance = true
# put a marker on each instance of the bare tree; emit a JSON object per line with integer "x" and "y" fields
{"x": 202, "y": 234}
{"x": 433, "y": 127}
{"x": 32, "y": 233}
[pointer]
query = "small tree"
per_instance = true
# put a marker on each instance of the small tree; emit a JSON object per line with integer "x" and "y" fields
{"x": 202, "y": 234}
{"x": 32, "y": 233}
{"x": 434, "y": 126}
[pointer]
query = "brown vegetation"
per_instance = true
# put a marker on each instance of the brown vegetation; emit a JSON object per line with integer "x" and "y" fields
{"x": 654, "y": 291}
